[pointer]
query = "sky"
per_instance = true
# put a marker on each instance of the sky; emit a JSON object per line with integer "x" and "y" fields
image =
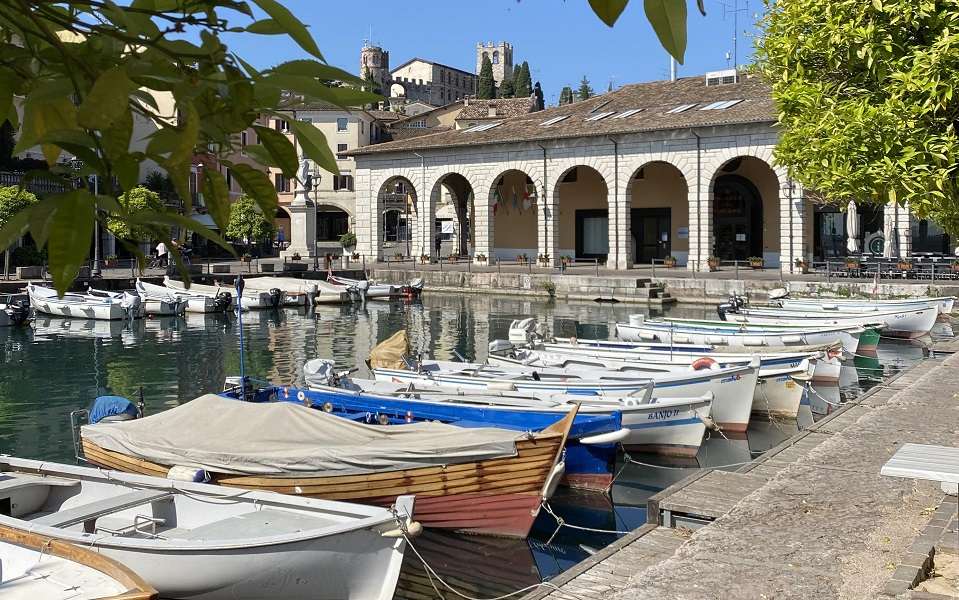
{"x": 561, "y": 39}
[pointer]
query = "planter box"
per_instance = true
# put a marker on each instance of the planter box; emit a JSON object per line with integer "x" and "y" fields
{"x": 219, "y": 268}
{"x": 29, "y": 272}
{"x": 267, "y": 267}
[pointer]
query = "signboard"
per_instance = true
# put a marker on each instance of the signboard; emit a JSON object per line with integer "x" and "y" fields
{"x": 682, "y": 233}
{"x": 740, "y": 237}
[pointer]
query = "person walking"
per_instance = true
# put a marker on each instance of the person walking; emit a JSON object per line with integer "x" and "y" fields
{"x": 162, "y": 254}
{"x": 439, "y": 243}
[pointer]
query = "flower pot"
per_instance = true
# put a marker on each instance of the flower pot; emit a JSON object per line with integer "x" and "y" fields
{"x": 669, "y": 264}
{"x": 713, "y": 264}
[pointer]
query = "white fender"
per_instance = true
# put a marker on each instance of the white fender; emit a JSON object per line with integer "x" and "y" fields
{"x": 610, "y": 437}
{"x": 552, "y": 482}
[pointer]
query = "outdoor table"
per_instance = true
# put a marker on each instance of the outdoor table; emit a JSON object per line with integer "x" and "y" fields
{"x": 922, "y": 461}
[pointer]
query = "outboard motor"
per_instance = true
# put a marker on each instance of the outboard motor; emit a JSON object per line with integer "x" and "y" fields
{"x": 223, "y": 301}
{"x": 131, "y": 305}
{"x": 275, "y": 295}
{"x": 733, "y": 305}
{"x": 361, "y": 289}
{"x": 18, "y": 311}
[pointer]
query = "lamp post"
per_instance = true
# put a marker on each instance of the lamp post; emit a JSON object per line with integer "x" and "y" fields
{"x": 76, "y": 164}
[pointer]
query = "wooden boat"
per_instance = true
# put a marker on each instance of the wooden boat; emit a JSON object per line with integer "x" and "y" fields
{"x": 159, "y": 307}
{"x": 192, "y": 303}
{"x": 300, "y": 291}
{"x": 732, "y": 388}
{"x": 40, "y": 567}
{"x": 489, "y": 481}
{"x": 205, "y": 542}
{"x": 904, "y": 323}
{"x": 779, "y": 389}
{"x": 944, "y": 304}
{"x": 252, "y": 299}
{"x": 45, "y": 300}
{"x": 720, "y": 333}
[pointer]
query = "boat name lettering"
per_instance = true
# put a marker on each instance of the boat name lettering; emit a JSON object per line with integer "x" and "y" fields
{"x": 730, "y": 378}
{"x": 669, "y": 413}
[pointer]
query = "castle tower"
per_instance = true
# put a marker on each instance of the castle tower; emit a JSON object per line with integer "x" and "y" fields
{"x": 376, "y": 61}
{"x": 501, "y": 55}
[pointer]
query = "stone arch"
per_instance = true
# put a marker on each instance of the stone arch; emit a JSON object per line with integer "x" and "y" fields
{"x": 514, "y": 197}
{"x": 657, "y": 212}
{"x": 453, "y": 193}
{"x": 580, "y": 223}
{"x": 334, "y": 217}
{"x": 744, "y": 206}
{"x": 396, "y": 206}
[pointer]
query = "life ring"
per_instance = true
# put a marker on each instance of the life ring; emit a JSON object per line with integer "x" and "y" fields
{"x": 702, "y": 364}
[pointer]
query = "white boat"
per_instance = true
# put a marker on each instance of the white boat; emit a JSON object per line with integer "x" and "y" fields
{"x": 369, "y": 289}
{"x": 905, "y": 323}
{"x": 296, "y": 292}
{"x": 45, "y": 300}
{"x": 206, "y": 542}
{"x": 732, "y": 387}
{"x": 779, "y": 388}
{"x": 252, "y": 299}
{"x": 36, "y": 567}
{"x": 944, "y": 304}
{"x": 160, "y": 307}
{"x": 192, "y": 303}
{"x": 640, "y": 329}
{"x": 670, "y": 426}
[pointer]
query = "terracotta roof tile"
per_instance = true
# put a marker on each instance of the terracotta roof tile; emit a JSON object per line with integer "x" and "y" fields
{"x": 654, "y": 98}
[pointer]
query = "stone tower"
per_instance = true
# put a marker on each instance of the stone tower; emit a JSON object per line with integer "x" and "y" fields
{"x": 377, "y": 61}
{"x": 501, "y": 55}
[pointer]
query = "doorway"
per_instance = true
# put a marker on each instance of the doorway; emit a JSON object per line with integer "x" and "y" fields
{"x": 651, "y": 229}
{"x": 737, "y": 218}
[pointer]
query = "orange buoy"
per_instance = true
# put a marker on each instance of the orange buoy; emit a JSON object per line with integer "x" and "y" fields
{"x": 703, "y": 363}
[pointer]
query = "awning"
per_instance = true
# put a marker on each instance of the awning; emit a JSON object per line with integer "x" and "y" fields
{"x": 205, "y": 220}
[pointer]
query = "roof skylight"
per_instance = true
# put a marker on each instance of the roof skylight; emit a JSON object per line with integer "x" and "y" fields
{"x": 554, "y": 120}
{"x": 483, "y": 127}
{"x": 600, "y": 116}
{"x": 721, "y": 105}
{"x": 628, "y": 113}
{"x": 679, "y": 109}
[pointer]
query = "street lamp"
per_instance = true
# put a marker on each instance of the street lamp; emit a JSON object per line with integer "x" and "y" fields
{"x": 76, "y": 164}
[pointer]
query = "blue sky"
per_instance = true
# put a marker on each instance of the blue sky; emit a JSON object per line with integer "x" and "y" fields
{"x": 561, "y": 39}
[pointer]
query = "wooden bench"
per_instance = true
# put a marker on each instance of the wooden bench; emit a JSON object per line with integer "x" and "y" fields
{"x": 99, "y": 508}
{"x": 922, "y": 461}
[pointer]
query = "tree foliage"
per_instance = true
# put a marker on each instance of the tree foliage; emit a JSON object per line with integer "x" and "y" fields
{"x": 486, "y": 87}
{"x": 585, "y": 91}
{"x": 12, "y": 201}
{"x": 85, "y": 71}
{"x": 864, "y": 92}
{"x": 538, "y": 92}
{"x": 506, "y": 89}
{"x": 247, "y": 222}
{"x": 523, "y": 84}
{"x": 137, "y": 201}
{"x": 566, "y": 96}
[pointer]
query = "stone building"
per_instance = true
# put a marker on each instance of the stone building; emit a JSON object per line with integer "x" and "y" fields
{"x": 670, "y": 168}
{"x": 375, "y": 63}
{"x": 430, "y": 82}
{"x": 501, "y": 57}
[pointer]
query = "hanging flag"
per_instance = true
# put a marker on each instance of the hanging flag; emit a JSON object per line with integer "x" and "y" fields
{"x": 410, "y": 204}
{"x": 495, "y": 201}
{"x": 515, "y": 199}
{"x": 527, "y": 199}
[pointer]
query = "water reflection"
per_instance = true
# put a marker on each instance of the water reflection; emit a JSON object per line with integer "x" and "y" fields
{"x": 57, "y": 365}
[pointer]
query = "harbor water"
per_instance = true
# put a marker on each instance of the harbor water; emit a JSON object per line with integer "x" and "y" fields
{"x": 58, "y": 365}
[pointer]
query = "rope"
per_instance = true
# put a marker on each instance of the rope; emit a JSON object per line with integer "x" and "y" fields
{"x": 645, "y": 464}
{"x": 560, "y": 523}
{"x": 813, "y": 390}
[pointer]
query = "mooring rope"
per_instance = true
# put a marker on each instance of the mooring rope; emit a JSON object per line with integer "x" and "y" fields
{"x": 560, "y": 523}
{"x": 820, "y": 396}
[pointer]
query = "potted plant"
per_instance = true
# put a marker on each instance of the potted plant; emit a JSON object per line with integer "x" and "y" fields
{"x": 905, "y": 264}
{"x": 955, "y": 266}
{"x": 669, "y": 261}
{"x": 296, "y": 256}
{"x": 453, "y": 257}
{"x": 110, "y": 261}
{"x": 803, "y": 266}
{"x": 520, "y": 258}
{"x": 247, "y": 258}
{"x": 398, "y": 255}
{"x": 543, "y": 259}
{"x": 756, "y": 262}
{"x": 348, "y": 241}
{"x": 852, "y": 263}
{"x": 480, "y": 258}
{"x": 424, "y": 259}
{"x": 713, "y": 263}
{"x": 566, "y": 260}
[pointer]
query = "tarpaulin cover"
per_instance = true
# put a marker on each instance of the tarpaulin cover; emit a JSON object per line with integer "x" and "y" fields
{"x": 230, "y": 436}
{"x": 389, "y": 353}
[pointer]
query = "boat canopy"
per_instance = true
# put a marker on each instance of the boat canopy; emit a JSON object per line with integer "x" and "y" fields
{"x": 233, "y": 437}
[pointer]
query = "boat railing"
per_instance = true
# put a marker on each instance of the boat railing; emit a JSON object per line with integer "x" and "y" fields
{"x": 78, "y": 418}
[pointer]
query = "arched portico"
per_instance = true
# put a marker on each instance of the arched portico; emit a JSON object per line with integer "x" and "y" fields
{"x": 745, "y": 208}
{"x": 582, "y": 214}
{"x": 396, "y": 208}
{"x": 452, "y": 216}
{"x": 657, "y": 195}
{"x": 513, "y": 201}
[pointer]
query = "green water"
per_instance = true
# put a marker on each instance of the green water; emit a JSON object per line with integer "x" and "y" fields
{"x": 58, "y": 365}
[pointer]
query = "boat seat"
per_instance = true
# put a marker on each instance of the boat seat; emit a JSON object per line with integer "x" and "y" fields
{"x": 10, "y": 482}
{"x": 99, "y": 508}
{"x": 257, "y": 523}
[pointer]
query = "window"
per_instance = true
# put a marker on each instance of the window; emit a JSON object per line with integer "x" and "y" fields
{"x": 281, "y": 125}
{"x": 679, "y": 109}
{"x": 229, "y": 179}
{"x": 600, "y": 116}
{"x": 554, "y": 120}
{"x": 483, "y": 127}
{"x": 330, "y": 225}
{"x": 628, "y": 113}
{"x": 721, "y": 105}
{"x": 340, "y": 151}
{"x": 362, "y": 126}
{"x": 306, "y": 119}
{"x": 281, "y": 182}
{"x": 496, "y": 57}
{"x": 243, "y": 138}
{"x": 343, "y": 183}
{"x": 417, "y": 124}
{"x": 341, "y": 123}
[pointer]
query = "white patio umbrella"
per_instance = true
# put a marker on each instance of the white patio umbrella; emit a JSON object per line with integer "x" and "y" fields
{"x": 889, "y": 249}
{"x": 852, "y": 228}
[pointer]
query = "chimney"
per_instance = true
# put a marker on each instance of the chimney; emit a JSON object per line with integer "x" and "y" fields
{"x": 492, "y": 110}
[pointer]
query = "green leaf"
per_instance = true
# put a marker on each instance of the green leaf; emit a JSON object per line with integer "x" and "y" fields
{"x": 107, "y": 101}
{"x": 43, "y": 117}
{"x": 266, "y": 27}
{"x": 291, "y": 25}
{"x": 14, "y": 229}
{"x": 260, "y": 155}
{"x": 608, "y": 10}
{"x": 127, "y": 170}
{"x": 217, "y": 197}
{"x": 257, "y": 185}
{"x": 279, "y": 147}
{"x": 668, "y": 18}
{"x": 314, "y": 145}
{"x": 153, "y": 218}
{"x": 71, "y": 230}
{"x": 7, "y": 81}
{"x": 316, "y": 70}
{"x": 314, "y": 88}
{"x": 187, "y": 130}
{"x": 115, "y": 139}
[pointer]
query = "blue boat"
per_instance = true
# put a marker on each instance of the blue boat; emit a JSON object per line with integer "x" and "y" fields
{"x": 590, "y": 453}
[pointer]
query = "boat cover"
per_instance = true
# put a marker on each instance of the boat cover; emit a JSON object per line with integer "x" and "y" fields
{"x": 391, "y": 353}
{"x": 230, "y": 436}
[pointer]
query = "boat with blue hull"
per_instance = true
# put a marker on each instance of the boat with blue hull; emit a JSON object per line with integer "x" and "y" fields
{"x": 590, "y": 448}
